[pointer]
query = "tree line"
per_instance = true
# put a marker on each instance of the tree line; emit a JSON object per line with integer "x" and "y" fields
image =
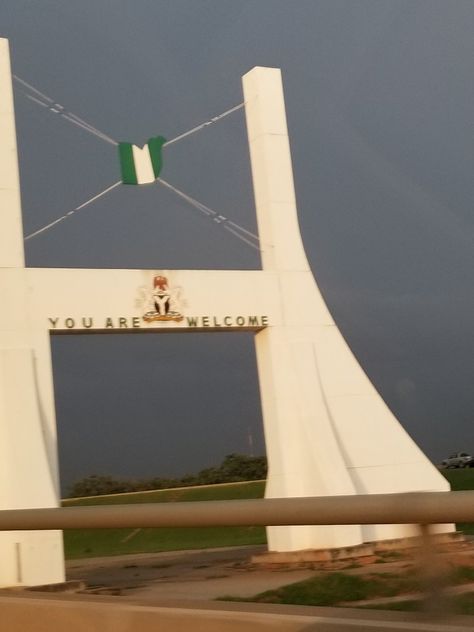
{"x": 234, "y": 468}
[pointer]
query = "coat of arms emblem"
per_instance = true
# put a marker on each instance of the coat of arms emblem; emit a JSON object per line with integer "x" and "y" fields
{"x": 164, "y": 301}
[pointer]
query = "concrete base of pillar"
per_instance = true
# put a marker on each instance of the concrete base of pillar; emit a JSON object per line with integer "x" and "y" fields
{"x": 368, "y": 552}
{"x": 438, "y": 539}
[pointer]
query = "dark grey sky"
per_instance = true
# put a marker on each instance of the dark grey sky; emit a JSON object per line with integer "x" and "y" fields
{"x": 379, "y": 100}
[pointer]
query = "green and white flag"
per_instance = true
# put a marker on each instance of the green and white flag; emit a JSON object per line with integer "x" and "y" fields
{"x": 141, "y": 165}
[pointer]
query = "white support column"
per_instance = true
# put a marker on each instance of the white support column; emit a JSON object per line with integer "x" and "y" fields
{"x": 11, "y": 234}
{"x": 28, "y": 473}
{"x": 327, "y": 430}
{"x": 303, "y": 452}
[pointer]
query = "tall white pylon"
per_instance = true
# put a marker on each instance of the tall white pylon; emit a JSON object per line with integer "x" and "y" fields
{"x": 327, "y": 430}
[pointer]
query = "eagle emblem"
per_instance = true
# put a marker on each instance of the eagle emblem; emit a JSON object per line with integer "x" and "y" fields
{"x": 164, "y": 301}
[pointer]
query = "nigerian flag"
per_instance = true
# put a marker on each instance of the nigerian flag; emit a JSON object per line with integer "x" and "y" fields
{"x": 141, "y": 165}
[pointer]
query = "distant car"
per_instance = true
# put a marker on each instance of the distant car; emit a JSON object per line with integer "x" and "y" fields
{"x": 458, "y": 459}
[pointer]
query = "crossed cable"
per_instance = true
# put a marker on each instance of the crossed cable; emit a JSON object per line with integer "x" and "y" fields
{"x": 46, "y": 102}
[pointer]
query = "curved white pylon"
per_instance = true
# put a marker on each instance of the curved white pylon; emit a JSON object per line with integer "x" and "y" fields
{"x": 328, "y": 431}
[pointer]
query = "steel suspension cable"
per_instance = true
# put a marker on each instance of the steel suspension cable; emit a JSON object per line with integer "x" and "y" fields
{"x": 69, "y": 213}
{"x": 52, "y": 106}
{"x": 214, "y": 119}
{"x": 45, "y": 101}
{"x": 219, "y": 219}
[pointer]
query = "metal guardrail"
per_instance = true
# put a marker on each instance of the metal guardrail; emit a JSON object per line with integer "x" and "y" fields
{"x": 408, "y": 508}
{"x": 421, "y": 508}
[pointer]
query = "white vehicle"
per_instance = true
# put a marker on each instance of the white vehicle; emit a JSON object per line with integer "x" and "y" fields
{"x": 458, "y": 459}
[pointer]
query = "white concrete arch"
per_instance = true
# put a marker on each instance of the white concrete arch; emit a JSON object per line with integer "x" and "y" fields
{"x": 327, "y": 430}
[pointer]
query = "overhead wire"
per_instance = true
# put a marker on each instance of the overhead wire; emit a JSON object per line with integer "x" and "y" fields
{"x": 74, "y": 210}
{"x": 32, "y": 88}
{"x": 52, "y": 106}
{"x": 214, "y": 119}
{"x": 241, "y": 237}
{"x": 45, "y": 101}
{"x": 218, "y": 218}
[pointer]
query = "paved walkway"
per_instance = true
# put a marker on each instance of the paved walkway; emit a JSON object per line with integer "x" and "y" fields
{"x": 208, "y": 574}
{"x": 205, "y": 574}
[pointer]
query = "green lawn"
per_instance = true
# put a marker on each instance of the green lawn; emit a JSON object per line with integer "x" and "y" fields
{"x": 462, "y": 479}
{"x": 97, "y": 542}
{"x": 230, "y": 491}
{"x": 332, "y": 589}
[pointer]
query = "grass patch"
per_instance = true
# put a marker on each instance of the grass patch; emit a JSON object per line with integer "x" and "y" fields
{"x": 229, "y": 491}
{"x": 460, "y": 480}
{"x": 463, "y": 604}
{"x": 333, "y": 588}
{"x": 81, "y": 543}
{"x": 462, "y": 575}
